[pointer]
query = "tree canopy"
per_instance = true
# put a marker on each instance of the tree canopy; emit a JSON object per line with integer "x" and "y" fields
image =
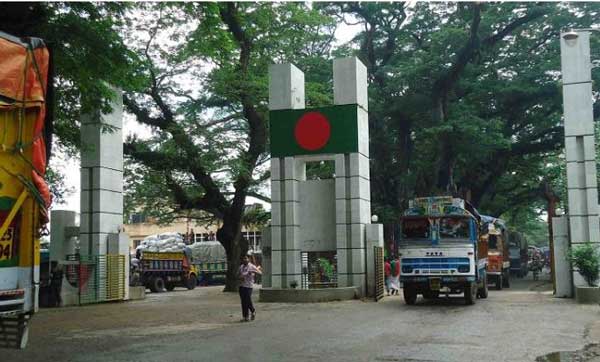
{"x": 465, "y": 98}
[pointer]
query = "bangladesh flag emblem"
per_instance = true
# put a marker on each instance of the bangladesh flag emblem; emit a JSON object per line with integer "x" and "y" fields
{"x": 323, "y": 130}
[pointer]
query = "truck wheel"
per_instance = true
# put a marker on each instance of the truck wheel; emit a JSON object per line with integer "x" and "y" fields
{"x": 471, "y": 293}
{"x": 499, "y": 282}
{"x": 506, "y": 281}
{"x": 483, "y": 291}
{"x": 191, "y": 282}
{"x": 170, "y": 286}
{"x": 157, "y": 285}
{"x": 410, "y": 294}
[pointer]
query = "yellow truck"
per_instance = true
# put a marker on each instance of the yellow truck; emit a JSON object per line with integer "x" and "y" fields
{"x": 24, "y": 196}
{"x": 158, "y": 271}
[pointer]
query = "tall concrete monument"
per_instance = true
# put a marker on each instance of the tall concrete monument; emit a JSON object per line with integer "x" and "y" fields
{"x": 580, "y": 150}
{"x": 329, "y": 215}
{"x": 101, "y": 217}
{"x": 101, "y": 179}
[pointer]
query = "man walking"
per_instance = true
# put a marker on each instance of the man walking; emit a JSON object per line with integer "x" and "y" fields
{"x": 247, "y": 272}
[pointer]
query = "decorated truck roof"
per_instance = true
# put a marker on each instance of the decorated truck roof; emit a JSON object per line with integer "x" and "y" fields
{"x": 440, "y": 206}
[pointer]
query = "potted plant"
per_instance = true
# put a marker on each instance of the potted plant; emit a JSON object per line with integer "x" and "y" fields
{"x": 586, "y": 258}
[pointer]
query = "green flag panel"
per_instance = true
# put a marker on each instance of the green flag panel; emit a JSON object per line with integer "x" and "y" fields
{"x": 324, "y": 130}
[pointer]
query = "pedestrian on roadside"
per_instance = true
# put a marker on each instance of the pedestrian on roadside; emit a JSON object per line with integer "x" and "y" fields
{"x": 388, "y": 275}
{"x": 395, "y": 278}
{"x": 246, "y": 274}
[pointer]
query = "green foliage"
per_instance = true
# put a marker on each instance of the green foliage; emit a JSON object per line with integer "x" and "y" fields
{"x": 465, "y": 99}
{"x": 58, "y": 188}
{"x": 210, "y": 81}
{"x": 586, "y": 258}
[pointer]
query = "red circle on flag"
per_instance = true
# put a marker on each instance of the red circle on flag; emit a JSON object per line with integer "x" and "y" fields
{"x": 312, "y": 131}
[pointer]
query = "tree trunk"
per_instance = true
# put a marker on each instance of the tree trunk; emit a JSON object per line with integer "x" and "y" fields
{"x": 234, "y": 255}
{"x": 230, "y": 236}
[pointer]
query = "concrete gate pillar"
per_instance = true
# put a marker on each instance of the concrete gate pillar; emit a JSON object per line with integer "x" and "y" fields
{"x": 580, "y": 147}
{"x": 319, "y": 215}
{"x": 101, "y": 217}
{"x": 101, "y": 178}
{"x": 352, "y": 181}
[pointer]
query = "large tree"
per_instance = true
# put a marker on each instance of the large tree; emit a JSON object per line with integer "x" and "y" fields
{"x": 87, "y": 55}
{"x": 465, "y": 99}
{"x": 205, "y": 100}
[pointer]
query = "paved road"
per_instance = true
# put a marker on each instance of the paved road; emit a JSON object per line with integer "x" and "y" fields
{"x": 202, "y": 325}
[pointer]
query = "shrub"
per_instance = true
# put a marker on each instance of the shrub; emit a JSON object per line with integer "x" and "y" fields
{"x": 586, "y": 258}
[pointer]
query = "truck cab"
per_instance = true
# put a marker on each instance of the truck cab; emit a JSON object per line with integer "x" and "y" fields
{"x": 441, "y": 251}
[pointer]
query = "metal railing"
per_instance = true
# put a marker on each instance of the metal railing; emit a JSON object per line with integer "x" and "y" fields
{"x": 98, "y": 278}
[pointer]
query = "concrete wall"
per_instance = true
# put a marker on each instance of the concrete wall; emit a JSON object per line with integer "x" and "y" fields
{"x": 317, "y": 215}
{"x": 60, "y": 246}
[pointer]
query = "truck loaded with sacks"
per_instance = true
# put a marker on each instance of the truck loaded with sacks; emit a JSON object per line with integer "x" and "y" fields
{"x": 164, "y": 261}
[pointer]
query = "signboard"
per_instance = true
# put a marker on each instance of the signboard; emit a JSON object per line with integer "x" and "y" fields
{"x": 325, "y": 130}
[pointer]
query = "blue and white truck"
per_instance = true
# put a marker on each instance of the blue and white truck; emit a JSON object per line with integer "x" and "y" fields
{"x": 441, "y": 251}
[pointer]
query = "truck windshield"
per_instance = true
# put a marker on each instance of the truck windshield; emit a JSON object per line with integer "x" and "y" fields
{"x": 415, "y": 229}
{"x": 454, "y": 228}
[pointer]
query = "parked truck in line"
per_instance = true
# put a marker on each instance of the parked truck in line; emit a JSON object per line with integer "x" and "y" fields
{"x": 24, "y": 195}
{"x": 158, "y": 271}
{"x": 496, "y": 234}
{"x": 518, "y": 251}
{"x": 441, "y": 250}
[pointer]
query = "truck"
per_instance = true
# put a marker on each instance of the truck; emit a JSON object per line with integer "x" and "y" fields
{"x": 158, "y": 271}
{"x": 24, "y": 195}
{"x": 518, "y": 252}
{"x": 498, "y": 269}
{"x": 441, "y": 250}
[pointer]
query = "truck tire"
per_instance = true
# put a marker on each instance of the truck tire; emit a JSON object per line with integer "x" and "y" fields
{"x": 191, "y": 282}
{"x": 483, "y": 291}
{"x": 506, "y": 281}
{"x": 499, "y": 282}
{"x": 410, "y": 294}
{"x": 470, "y": 293}
{"x": 157, "y": 285}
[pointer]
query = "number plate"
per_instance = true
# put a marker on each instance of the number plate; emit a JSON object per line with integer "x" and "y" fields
{"x": 6, "y": 244}
{"x": 435, "y": 284}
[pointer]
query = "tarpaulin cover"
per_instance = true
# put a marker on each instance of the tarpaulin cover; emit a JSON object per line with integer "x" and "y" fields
{"x": 23, "y": 84}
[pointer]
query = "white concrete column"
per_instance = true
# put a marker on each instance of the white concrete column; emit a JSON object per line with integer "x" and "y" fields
{"x": 60, "y": 220}
{"x": 353, "y": 203}
{"x": 579, "y": 141}
{"x": 101, "y": 178}
{"x": 286, "y": 91}
{"x": 562, "y": 268}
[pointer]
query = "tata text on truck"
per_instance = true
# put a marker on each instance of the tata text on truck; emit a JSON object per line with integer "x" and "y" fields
{"x": 441, "y": 250}
{"x": 24, "y": 196}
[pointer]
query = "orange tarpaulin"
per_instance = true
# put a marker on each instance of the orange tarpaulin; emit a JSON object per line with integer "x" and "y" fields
{"x": 23, "y": 84}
